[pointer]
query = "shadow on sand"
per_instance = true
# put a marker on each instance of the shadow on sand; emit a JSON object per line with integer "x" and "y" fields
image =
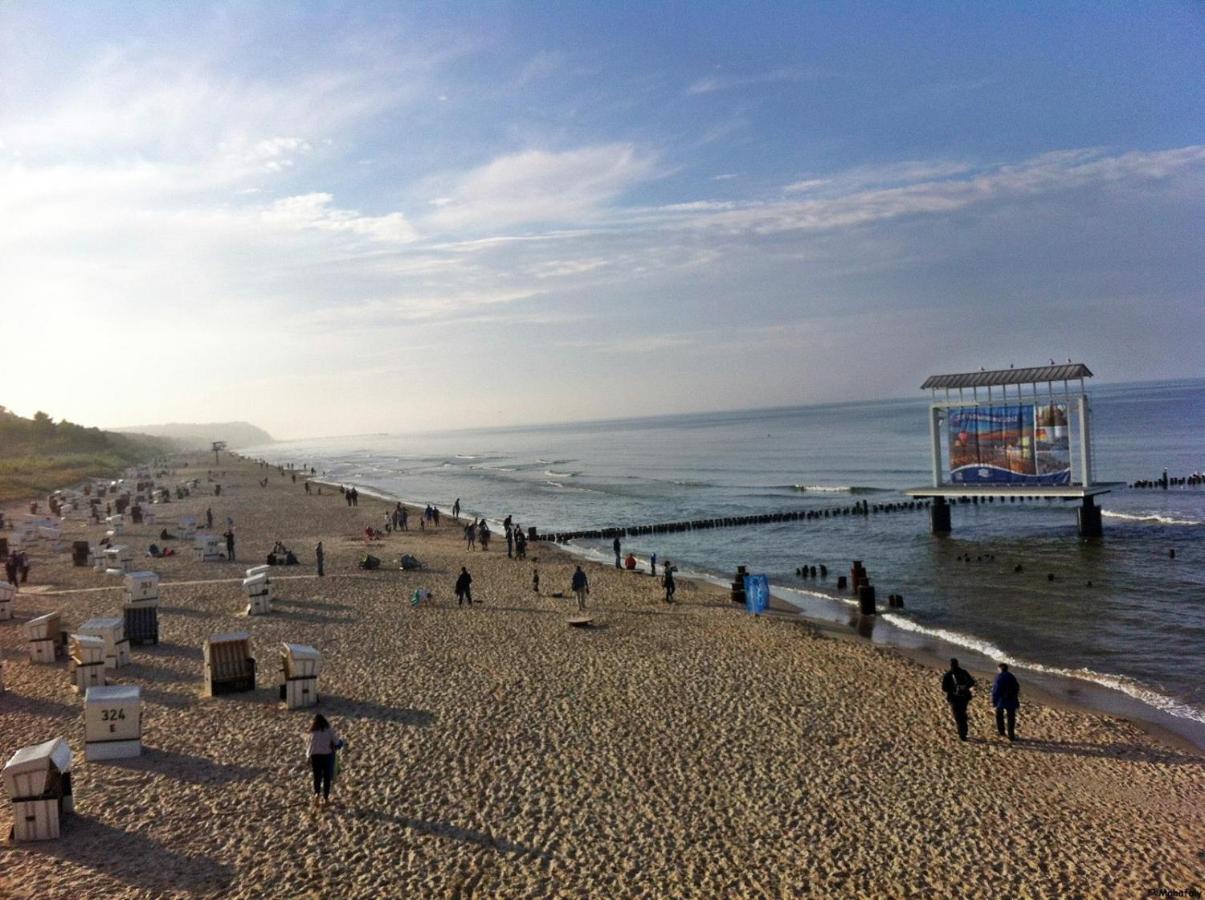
{"x": 32, "y": 706}
{"x": 311, "y": 604}
{"x": 1134, "y": 752}
{"x": 185, "y": 767}
{"x": 457, "y": 833}
{"x": 135, "y": 859}
{"x": 360, "y": 709}
{"x": 184, "y": 611}
{"x": 183, "y": 651}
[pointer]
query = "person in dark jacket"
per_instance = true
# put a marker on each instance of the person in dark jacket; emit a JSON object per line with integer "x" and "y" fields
{"x": 1006, "y": 698}
{"x": 957, "y": 684}
{"x": 616, "y": 547}
{"x": 670, "y": 586}
{"x": 581, "y": 587}
{"x": 464, "y": 593}
{"x": 320, "y": 556}
{"x": 229, "y": 536}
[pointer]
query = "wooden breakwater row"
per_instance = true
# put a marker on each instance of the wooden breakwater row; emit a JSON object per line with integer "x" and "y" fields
{"x": 861, "y": 508}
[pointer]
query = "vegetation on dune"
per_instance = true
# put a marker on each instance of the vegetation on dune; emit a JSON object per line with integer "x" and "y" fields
{"x": 39, "y": 455}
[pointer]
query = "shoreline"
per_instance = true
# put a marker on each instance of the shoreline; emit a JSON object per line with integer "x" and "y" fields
{"x": 1062, "y": 689}
{"x": 691, "y": 750}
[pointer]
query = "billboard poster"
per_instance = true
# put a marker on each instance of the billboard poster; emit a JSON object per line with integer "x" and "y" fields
{"x": 1017, "y": 444}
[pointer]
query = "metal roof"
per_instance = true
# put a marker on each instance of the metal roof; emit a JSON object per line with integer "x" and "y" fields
{"x": 996, "y": 377}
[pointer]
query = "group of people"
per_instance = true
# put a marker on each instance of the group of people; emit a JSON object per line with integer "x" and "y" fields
{"x": 957, "y": 684}
{"x": 630, "y": 563}
{"x": 351, "y": 495}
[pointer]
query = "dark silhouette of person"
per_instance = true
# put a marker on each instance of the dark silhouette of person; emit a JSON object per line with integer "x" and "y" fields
{"x": 957, "y": 684}
{"x": 616, "y": 547}
{"x": 229, "y": 535}
{"x": 670, "y": 586}
{"x": 320, "y": 555}
{"x": 1006, "y": 698}
{"x": 464, "y": 591}
{"x": 581, "y": 587}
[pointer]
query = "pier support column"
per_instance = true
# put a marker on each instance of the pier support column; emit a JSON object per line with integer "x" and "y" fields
{"x": 939, "y": 515}
{"x": 1089, "y": 519}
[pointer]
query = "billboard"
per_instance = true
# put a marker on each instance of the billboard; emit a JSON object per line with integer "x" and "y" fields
{"x": 1018, "y": 444}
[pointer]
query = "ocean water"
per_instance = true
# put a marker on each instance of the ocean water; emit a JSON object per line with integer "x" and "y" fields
{"x": 1120, "y": 612}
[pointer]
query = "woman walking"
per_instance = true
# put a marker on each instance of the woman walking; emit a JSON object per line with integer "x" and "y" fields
{"x": 322, "y": 742}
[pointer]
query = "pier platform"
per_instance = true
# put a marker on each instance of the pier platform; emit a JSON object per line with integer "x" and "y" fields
{"x": 1088, "y": 514}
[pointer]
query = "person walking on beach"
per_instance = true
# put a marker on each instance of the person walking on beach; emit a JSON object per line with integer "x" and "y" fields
{"x": 321, "y": 744}
{"x": 209, "y": 518}
{"x": 456, "y": 509}
{"x": 581, "y": 587}
{"x": 670, "y": 587}
{"x": 483, "y": 535}
{"x": 653, "y": 565}
{"x": 1006, "y": 698}
{"x": 957, "y": 684}
{"x": 464, "y": 591}
{"x": 320, "y": 555}
{"x": 229, "y": 536}
{"x": 510, "y": 543}
{"x": 615, "y": 547}
{"x": 470, "y": 535}
{"x": 535, "y": 575}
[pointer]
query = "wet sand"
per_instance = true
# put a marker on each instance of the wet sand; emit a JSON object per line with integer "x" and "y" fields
{"x": 493, "y": 750}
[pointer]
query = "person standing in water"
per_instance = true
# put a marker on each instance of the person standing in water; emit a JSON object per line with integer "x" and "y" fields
{"x": 581, "y": 587}
{"x": 322, "y": 743}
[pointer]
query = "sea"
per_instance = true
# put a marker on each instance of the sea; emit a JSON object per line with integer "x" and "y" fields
{"x": 1117, "y": 617}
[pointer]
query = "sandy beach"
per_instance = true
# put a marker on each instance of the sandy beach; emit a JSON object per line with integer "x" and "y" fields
{"x": 690, "y": 750}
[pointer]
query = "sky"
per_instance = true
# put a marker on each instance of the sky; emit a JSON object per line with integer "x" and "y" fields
{"x": 333, "y": 218}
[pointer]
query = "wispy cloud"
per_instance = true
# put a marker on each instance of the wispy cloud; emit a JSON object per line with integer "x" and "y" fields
{"x": 539, "y": 186}
{"x": 316, "y": 211}
{"x": 723, "y": 81}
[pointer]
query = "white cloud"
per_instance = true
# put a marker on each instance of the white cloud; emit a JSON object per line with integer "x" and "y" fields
{"x": 316, "y": 211}
{"x": 541, "y": 186}
{"x": 723, "y": 82}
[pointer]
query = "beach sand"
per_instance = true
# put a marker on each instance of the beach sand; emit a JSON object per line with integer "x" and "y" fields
{"x": 690, "y": 750}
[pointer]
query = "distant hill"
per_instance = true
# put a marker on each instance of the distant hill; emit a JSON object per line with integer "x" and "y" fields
{"x": 39, "y": 455}
{"x": 200, "y": 435}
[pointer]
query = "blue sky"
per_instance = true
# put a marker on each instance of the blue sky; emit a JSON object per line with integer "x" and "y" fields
{"x": 336, "y": 218}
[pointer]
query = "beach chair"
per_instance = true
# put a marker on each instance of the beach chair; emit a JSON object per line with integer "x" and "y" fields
{"x": 37, "y": 780}
{"x": 299, "y": 667}
{"x": 113, "y": 722}
{"x": 229, "y": 666}
{"x": 141, "y": 622}
{"x": 86, "y": 662}
{"x": 44, "y": 635}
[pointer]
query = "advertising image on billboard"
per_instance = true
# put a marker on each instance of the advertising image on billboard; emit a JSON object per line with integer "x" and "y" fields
{"x": 1018, "y": 444}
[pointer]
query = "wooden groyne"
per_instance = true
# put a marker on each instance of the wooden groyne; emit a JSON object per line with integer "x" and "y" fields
{"x": 861, "y": 508}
